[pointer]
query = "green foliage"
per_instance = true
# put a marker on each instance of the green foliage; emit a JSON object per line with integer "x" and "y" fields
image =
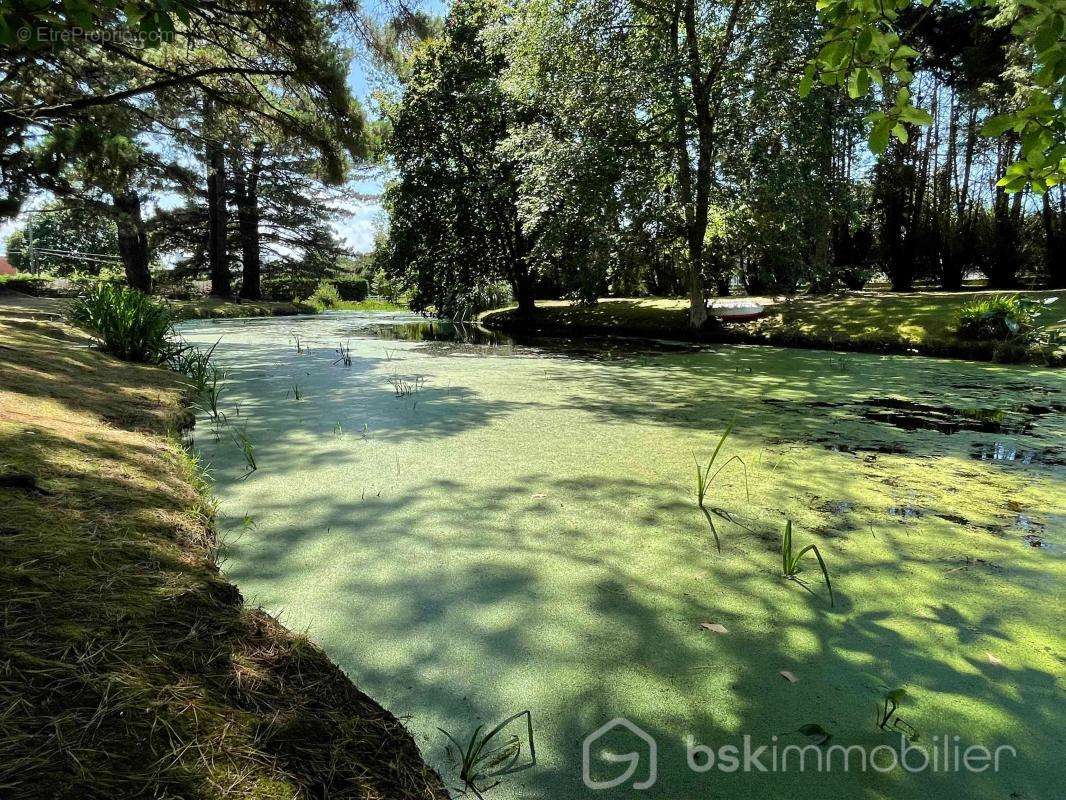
{"x": 155, "y": 19}
{"x": 790, "y": 562}
{"x": 324, "y": 297}
{"x": 59, "y": 229}
{"x": 389, "y": 287}
{"x": 454, "y": 224}
{"x": 130, "y": 325}
{"x": 351, "y": 287}
{"x": 481, "y": 759}
{"x": 1002, "y": 319}
{"x": 195, "y": 364}
{"x": 27, "y": 284}
{"x": 862, "y": 50}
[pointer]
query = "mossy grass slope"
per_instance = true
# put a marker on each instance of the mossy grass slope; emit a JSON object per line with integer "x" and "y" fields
{"x": 129, "y": 666}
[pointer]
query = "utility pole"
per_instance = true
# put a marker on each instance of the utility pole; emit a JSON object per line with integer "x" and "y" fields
{"x": 29, "y": 238}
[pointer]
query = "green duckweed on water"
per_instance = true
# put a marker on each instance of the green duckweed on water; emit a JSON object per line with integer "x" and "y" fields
{"x": 475, "y": 528}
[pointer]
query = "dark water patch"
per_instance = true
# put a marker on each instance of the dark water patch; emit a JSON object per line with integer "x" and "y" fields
{"x": 435, "y": 331}
{"x": 1011, "y": 453}
{"x": 1027, "y": 523}
{"x": 912, "y": 416}
{"x": 954, "y": 519}
{"x": 835, "y": 506}
{"x": 597, "y": 348}
{"x": 799, "y": 404}
{"x": 905, "y": 512}
{"x": 856, "y": 448}
{"x": 1038, "y": 542}
{"x": 1039, "y": 410}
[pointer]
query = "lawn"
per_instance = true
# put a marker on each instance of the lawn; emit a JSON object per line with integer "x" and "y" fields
{"x": 868, "y": 320}
{"x": 130, "y": 666}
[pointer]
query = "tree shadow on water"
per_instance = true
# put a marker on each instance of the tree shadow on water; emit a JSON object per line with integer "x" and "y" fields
{"x": 458, "y": 606}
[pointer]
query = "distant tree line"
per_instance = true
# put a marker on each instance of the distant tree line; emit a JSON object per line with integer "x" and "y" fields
{"x": 211, "y": 132}
{"x": 692, "y": 146}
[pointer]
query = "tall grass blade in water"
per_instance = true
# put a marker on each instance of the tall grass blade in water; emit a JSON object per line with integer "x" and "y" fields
{"x": 129, "y": 324}
{"x": 240, "y": 438}
{"x": 705, "y": 480}
{"x": 195, "y": 364}
{"x": 790, "y": 562}
{"x": 211, "y": 392}
{"x": 480, "y": 760}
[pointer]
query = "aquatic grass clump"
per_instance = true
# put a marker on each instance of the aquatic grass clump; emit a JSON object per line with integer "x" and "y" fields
{"x": 790, "y": 562}
{"x": 402, "y": 387}
{"x": 195, "y": 364}
{"x": 478, "y": 761}
{"x": 211, "y": 393}
{"x": 705, "y": 480}
{"x": 344, "y": 354}
{"x": 129, "y": 324}
{"x": 240, "y": 438}
{"x": 889, "y": 701}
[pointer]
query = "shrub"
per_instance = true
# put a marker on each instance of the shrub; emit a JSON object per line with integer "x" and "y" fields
{"x": 283, "y": 286}
{"x": 493, "y": 295}
{"x": 998, "y": 319}
{"x": 129, "y": 324}
{"x": 388, "y": 287}
{"x": 27, "y": 284}
{"x": 325, "y": 296}
{"x": 352, "y": 287}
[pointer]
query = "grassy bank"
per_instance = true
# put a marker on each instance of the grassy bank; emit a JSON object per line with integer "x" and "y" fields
{"x": 128, "y": 665}
{"x": 370, "y": 305}
{"x": 916, "y": 322}
{"x": 214, "y": 308}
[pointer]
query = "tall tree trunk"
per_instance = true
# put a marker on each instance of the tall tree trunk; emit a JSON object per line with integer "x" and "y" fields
{"x": 132, "y": 240}
{"x": 697, "y": 303}
{"x": 695, "y": 188}
{"x": 950, "y": 218}
{"x": 1054, "y": 242}
{"x": 522, "y": 282}
{"x": 214, "y": 158}
{"x": 246, "y": 193}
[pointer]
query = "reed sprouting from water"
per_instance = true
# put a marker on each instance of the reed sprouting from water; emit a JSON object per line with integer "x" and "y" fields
{"x": 344, "y": 354}
{"x": 240, "y": 438}
{"x": 403, "y": 387}
{"x": 790, "y": 562}
{"x": 705, "y": 482}
{"x": 482, "y": 759}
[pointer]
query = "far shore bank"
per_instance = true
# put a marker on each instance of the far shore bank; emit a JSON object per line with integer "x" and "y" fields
{"x": 913, "y": 323}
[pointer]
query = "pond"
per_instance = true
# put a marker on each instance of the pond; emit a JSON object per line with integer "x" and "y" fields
{"x": 473, "y": 526}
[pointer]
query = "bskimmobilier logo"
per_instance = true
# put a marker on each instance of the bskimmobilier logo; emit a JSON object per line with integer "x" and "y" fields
{"x": 941, "y": 754}
{"x": 645, "y": 743}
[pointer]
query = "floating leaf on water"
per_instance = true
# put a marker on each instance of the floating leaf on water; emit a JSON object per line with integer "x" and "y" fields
{"x": 815, "y": 732}
{"x": 788, "y": 676}
{"x": 993, "y": 660}
{"x": 714, "y": 627}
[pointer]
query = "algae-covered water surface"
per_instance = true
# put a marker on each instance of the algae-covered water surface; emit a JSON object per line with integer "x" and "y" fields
{"x": 472, "y": 527}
